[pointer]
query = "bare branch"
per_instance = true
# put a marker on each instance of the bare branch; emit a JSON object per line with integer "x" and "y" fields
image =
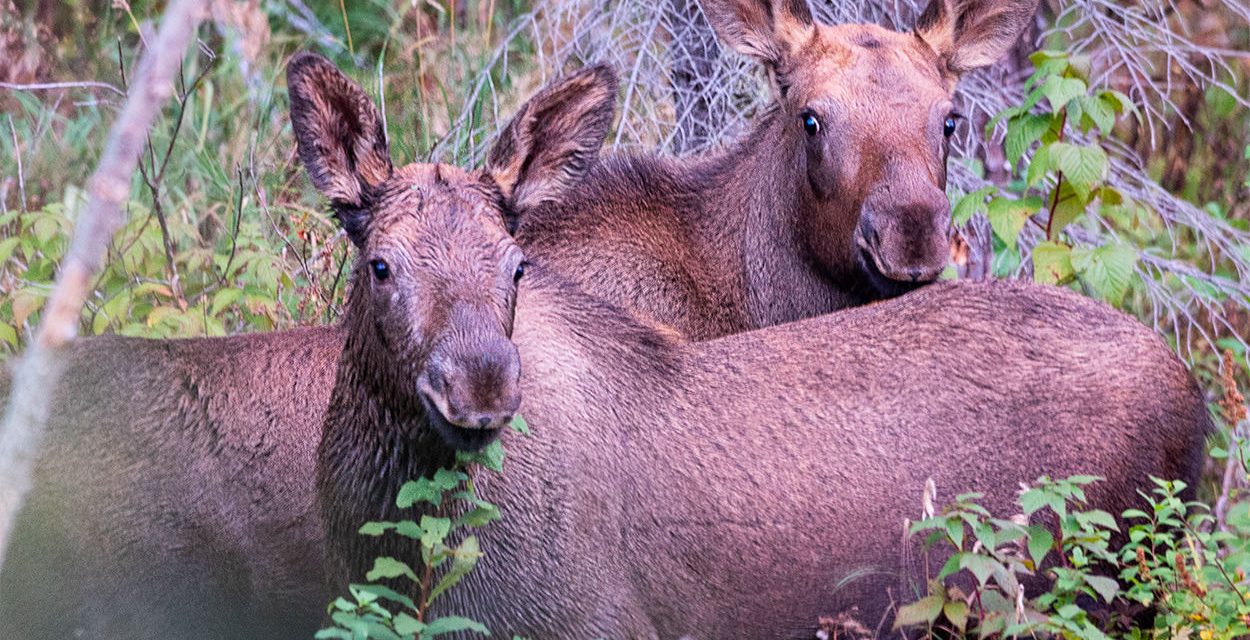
{"x": 39, "y": 369}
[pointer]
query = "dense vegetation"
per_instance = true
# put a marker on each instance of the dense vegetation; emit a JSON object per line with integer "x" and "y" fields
{"x": 224, "y": 235}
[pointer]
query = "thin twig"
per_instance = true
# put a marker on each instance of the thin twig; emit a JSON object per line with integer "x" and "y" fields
{"x": 46, "y": 86}
{"x": 17, "y": 153}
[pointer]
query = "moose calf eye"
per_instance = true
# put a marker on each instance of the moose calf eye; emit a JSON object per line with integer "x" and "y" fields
{"x": 380, "y": 269}
{"x": 948, "y": 127}
{"x": 520, "y": 271}
{"x": 810, "y": 124}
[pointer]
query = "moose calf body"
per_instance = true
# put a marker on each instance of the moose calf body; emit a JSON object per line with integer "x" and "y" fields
{"x": 835, "y": 197}
{"x": 707, "y": 490}
{"x": 174, "y": 495}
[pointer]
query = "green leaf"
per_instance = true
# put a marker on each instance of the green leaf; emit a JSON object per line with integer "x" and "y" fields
{"x": 464, "y": 558}
{"x": 957, "y": 613}
{"x": 490, "y": 457}
{"x": 379, "y": 591}
{"x": 429, "y": 490}
{"x": 1100, "y": 518}
{"x": 406, "y": 625}
{"x": 921, "y": 612}
{"x": 1068, "y": 207}
{"x": 1040, "y": 543}
{"x": 1007, "y": 217}
{"x": 480, "y": 516}
{"x": 1023, "y": 132}
{"x": 453, "y": 624}
{"x": 375, "y": 528}
{"x": 519, "y": 425}
{"x": 1052, "y": 263}
{"x": 8, "y": 334}
{"x": 1060, "y": 90}
{"x": 223, "y": 299}
{"x": 1084, "y": 166}
{"x": 386, "y": 567}
{"x": 981, "y": 566}
{"x": 970, "y": 205}
{"x": 1106, "y": 587}
{"x": 1096, "y": 114}
{"x": 434, "y": 530}
{"x": 1107, "y": 270}
{"x": 1039, "y": 166}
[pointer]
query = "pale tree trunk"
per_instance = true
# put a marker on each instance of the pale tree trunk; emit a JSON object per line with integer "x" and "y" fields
{"x": 39, "y": 369}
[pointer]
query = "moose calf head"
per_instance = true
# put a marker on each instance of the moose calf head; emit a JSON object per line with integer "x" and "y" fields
{"x": 435, "y": 279}
{"x": 867, "y": 117}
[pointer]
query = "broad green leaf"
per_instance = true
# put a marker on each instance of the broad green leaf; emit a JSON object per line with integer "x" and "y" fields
{"x": 1052, "y": 263}
{"x": 1007, "y": 217}
{"x": 1084, "y": 166}
{"x": 379, "y": 591}
{"x": 386, "y": 567}
{"x": 8, "y": 334}
{"x": 981, "y": 566}
{"x": 921, "y": 612}
{"x": 407, "y": 625}
{"x": 1068, "y": 206}
{"x": 1107, "y": 270}
{"x": 970, "y": 205}
{"x": 464, "y": 558}
{"x": 1106, "y": 587}
{"x": 1040, "y": 543}
{"x": 332, "y": 633}
{"x": 223, "y": 299}
{"x": 429, "y": 490}
{"x": 453, "y": 624}
{"x": 1119, "y": 102}
{"x": 479, "y": 516}
{"x": 1096, "y": 114}
{"x": 1100, "y": 518}
{"x": 434, "y": 530}
{"x": 1022, "y": 132}
{"x": 519, "y": 425}
{"x": 957, "y": 613}
{"x": 7, "y": 246}
{"x": 490, "y": 457}
{"x": 375, "y": 528}
{"x": 1039, "y": 166}
{"x": 1060, "y": 90}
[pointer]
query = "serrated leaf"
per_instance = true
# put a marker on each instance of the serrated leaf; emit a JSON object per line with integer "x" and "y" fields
{"x": 1083, "y": 166}
{"x": 464, "y": 558}
{"x": 921, "y": 612}
{"x": 375, "y": 528}
{"x": 1060, "y": 90}
{"x": 453, "y": 624}
{"x": 1100, "y": 518}
{"x": 407, "y": 625}
{"x": 1098, "y": 114}
{"x": 434, "y": 530}
{"x": 1107, "y": 270}
{"x": 957, "y": 613}
{"x": 1104, "y": 586}
{"x": 1041, "y": 541}
{"x": 519, "y": 425}
{"x": 1007, "y": 217}
{"x": 1068, "y": 207}
{"x": 223, "y": 299}
{"x": 970, "y": 205}
{"x": 1052, "y": 263}
{"x": 490, "y": 457}
{"x": 387, "y": 593}
{"x": 386, "y": 567}
{"x": 1039, "y": 166}
{"x": 982, "y": 567}
{"x": 1022, "y": 132}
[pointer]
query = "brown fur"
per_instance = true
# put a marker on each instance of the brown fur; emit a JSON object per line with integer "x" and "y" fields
{"x": 785, "y": 225}
{"x": 723, "y": 488}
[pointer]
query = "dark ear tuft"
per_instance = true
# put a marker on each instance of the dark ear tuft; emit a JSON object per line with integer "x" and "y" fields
{"x": 767, "y": 30}
{"x": 970, "y": 34}
{"x": 554, "y": 139}
{"x": 340, "y": 137}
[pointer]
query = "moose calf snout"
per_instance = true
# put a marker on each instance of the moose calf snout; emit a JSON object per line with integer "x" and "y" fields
{"x": 476, "y": 388}
{"x": 906, "y": 239}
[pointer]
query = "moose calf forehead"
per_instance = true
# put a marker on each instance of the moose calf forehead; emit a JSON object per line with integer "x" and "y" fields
{"x": 852, "y": 61}
{"x": 422, "y": 195}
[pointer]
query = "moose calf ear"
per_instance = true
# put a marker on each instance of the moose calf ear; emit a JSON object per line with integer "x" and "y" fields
{"x": 340, "y": 136}
{"x": 555, "y": 138}
{"x": 970, "y": 34}
{"x": 767, "y": 30}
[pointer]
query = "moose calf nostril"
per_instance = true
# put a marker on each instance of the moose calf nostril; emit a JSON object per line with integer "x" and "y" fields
{"x": 483, "y": 422}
